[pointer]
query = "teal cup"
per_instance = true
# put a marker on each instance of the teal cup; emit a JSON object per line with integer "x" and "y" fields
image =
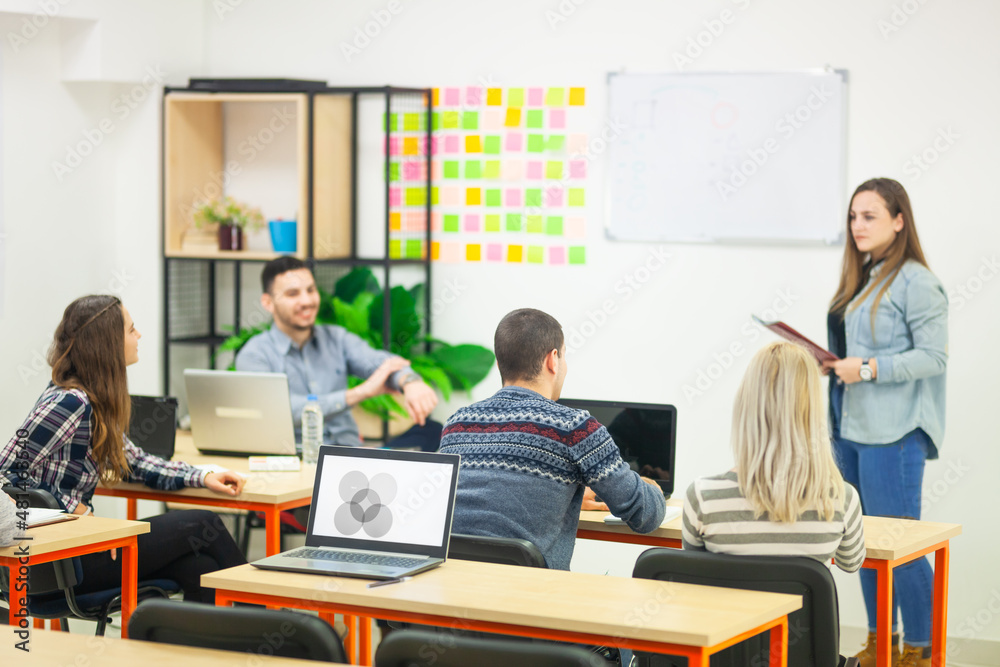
{"x": 283, "y": 238}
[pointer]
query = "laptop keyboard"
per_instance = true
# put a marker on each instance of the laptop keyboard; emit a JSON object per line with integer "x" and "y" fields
{"x": 355, "y": 557}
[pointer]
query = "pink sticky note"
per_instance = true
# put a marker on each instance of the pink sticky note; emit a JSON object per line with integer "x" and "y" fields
{"x": 395, "y": 145}
{"x": 578, "y": 169}
{"x": 436, "y": 221}
{"x": 577, "y": 144}
{"x": 557, "y": 119}
{"x": 492, "y": 119}
{"x": 512, "y": 170}
{"x": 512, "y": 197}
{"x": 450, "y": 195}
{"x": 557, "y": 255}
{"x": 452, "y": 252}
{"x": 554, "y": 197}
{"x": 474, "y": 96}
{"x": 413, "y": 171}
{"x": 514, "y": 142}
{"x": 535, "y": 97}
{"x": 437, "y": 170}
{"x": 414, "y": 221}
{"x": 535, "y": 169}
{"x": 452, "y": 143}
{"x": 472, "y": 222}
{"x": 494, "y": 252}
{"x": 575, "y": 228}
{"x": 434, "y": 146}
{"x": 395, "y": 197}
{"x": 451, "y": 97}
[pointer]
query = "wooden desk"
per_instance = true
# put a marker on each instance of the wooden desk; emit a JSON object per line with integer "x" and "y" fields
{"x": 889, "y": 543}
{"x": 659, "y": 616}
{"x": 266, "y": 492}
{"x": 64, "y": 648}
{"x": 86, "y": 535}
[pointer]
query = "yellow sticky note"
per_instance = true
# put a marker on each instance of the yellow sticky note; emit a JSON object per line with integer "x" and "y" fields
{"x": 395, "y": 221}
{"x": 473, "y": 196}
{"x": 493, "y": 97}
{"x": 514, "y": 253}
{"x": 554, "y": 97}
{"x": 436, "y": 97}
{"x": 473, "y": 144}
{"x": 472, "y": 252}
{"x": 577, "y": 97}
{"x": 513, "y": 118}
{"x": 411, "y": 146}
{"x": 435, "y": 247}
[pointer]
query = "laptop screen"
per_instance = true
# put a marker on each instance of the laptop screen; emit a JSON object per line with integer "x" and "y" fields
{"x": 644, "y": 433}
{"x": 384, "y": 500}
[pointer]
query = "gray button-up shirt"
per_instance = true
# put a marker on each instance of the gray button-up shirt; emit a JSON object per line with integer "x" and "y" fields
{"x": 320, "y": 367}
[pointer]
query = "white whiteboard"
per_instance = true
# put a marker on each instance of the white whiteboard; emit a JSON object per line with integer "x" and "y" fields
{"x": 756, "y": 157}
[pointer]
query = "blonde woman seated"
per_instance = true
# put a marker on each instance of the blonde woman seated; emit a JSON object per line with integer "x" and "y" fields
{"x": 785, "y": 497}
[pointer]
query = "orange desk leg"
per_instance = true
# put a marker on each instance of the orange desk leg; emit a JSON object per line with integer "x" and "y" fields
{"x": 352, "y": 639}
{"x": 939, "y": 625}
{"x": 365, "y": 640}
{"x": 272, "y": 528}
{"x": 779, "y": 644}
{"x": 132, "y": 509}
{"x": 130, "y": 581}
{"x": 883, "y": 616}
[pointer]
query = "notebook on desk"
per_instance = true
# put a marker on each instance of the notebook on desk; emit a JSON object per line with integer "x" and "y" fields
{"x": 376, "y": 514}
{"x": 239, "y": 414}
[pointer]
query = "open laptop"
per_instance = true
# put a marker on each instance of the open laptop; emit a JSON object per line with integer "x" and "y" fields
{"x": 376, "y": 514}
{"x": 239, "y": 414}
{"x": 644, "y": 432}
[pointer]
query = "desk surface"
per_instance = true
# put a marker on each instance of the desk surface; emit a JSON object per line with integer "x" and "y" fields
{"x": 76, "y": 533}
{"x": 642, "y": 609}
{"x": 64, "y": 648}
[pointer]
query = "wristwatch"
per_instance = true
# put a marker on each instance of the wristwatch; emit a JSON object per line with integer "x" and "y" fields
{"x": 866, "y": 371}
{"x": 411, "y": 377}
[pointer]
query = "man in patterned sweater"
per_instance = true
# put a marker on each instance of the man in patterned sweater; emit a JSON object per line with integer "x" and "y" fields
{"x": 526, "y": 460}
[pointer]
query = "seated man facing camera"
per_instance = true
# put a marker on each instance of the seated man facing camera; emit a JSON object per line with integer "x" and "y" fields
{"x": 527, "y": 460}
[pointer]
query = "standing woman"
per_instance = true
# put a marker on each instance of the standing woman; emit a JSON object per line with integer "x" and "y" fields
{"x": 75, "y": 436}
{"x": 889, "y": 324}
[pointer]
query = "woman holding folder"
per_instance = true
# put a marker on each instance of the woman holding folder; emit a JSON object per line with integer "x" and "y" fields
{"x": 888, "y": 323}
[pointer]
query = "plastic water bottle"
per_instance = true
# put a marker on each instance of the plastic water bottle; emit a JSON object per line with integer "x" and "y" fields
{"x": 312, "y": 429}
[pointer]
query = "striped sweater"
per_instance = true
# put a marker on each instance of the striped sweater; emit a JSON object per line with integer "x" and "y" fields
{"x": 719, "y": 519}
{"x": 525, "y": 463}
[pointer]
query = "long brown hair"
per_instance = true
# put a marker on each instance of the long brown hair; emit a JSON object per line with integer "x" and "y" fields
{"x": 906, "y": 245}
{"x": 88, "y": 353}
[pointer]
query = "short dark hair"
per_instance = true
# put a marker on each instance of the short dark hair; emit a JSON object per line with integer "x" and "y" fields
{"x": 276, "y": 267}
{"x": 522, "y": 340}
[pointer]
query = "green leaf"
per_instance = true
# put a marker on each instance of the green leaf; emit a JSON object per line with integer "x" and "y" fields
{"x": 432, "y": 374}
{"x": 359, "y": 280}
{"x": 403, "y": 318}
{"x": 325, "y": 314}
{"x": 353, "y": 316}
{"x": 467, "y": 365}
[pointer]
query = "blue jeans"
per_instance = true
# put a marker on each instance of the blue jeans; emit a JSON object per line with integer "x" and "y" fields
{"x": 888, "y": 479}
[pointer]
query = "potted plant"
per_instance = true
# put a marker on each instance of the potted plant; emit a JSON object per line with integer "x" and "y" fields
{"x": 231, "y": 217}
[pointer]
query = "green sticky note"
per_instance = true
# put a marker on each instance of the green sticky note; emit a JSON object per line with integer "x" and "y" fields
{"x": 393, "y": 120}
{"x": 450, "y": 223}
{"x": 470, "y": 120}
{"x": 434, "y": 196}
{"x": 577, "y": 255}
{"x": 411, "y": 122}
{"x": 395, "y": 249}
{"x": 554, "y": 97}
{"x": 553, "y": 169}
{"x": 535, "y": 119}
{"x": 533, "y": 197}
{"x": 554, "y": 225}
{"x": 449, "y": 120}
{"x": 555, "y": 142}
{"x": 534, "y": 224}
{"x": 416, "y": 196}
{"x": 473, "y": 169}
{"x": 493, "y": 197}
{"x": 492, "y": 219}
{"x": 451, "y": 168}
{"x": 393, "y": 171}
{"x": 414, "y": 249}
{"x": 536, "y": 143}
{"x": 435, "y": 121}
{"x": 492, "y": 169}
{"x": 536, "y": 254}
{"x": 513, "y": 222}
{"x": 515, "y": 97}
{"x": 491, "y": 145}
{"x": 576, "y": 197}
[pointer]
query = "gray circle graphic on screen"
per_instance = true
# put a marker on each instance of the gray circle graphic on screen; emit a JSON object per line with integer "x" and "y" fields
{"x": 365, "y": 504}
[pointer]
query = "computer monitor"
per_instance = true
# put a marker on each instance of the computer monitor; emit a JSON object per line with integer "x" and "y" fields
{"x": 644, "y": 432}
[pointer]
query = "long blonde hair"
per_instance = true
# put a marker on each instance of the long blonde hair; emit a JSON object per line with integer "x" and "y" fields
{"x": 784, "y": 460}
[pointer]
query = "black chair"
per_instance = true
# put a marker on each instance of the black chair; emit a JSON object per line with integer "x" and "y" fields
{"x": 813, "y": 631}
{"x": 52, "y": 586}
{"x": 502, "y": 550}
{"x": 420, "y": 648}
{"x": 287, "y": 634}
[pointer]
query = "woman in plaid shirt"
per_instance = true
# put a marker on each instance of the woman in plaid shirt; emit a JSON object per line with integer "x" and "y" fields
{"x": 75, "y": 436}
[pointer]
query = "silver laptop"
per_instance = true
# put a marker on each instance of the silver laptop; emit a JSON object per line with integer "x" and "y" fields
{"x": 240, "y": 414}
{"x": 376, "y": 514}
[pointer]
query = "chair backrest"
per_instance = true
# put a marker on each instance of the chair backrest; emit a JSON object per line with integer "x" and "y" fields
{"x": 502, "y": 550}
{"x": 48, "y": 577}
{"x": 813, "y": 631}
{"x": 421, "y": 648}
{"x": 259, "y": 631}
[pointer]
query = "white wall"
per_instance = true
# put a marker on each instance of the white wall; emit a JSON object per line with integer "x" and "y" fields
{"x": 935, "y": 73}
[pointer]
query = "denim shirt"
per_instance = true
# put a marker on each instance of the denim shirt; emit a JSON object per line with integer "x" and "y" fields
{"x": 910, "y": 347}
